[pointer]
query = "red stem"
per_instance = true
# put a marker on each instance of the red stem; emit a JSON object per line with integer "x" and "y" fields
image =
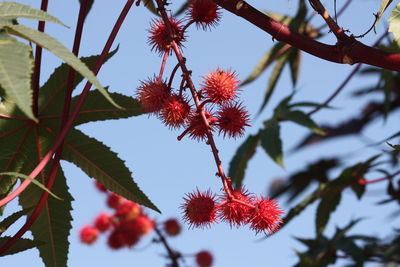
{"x": 164, "y": 62}
{"x": 171, "y": 78}
{"x": 349, "y": 51}
{"x": 377, "y": 180}
{"x": 70, "y": 121}
{"x": 38, "y": 62}
{"x": 187, "y": 75}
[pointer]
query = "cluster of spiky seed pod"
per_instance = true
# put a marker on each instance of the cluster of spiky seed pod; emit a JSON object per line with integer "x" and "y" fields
{"x": 216, "y": 110}
{"x": 237, "y": 208}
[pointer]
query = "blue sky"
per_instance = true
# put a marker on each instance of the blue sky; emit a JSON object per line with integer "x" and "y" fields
{"x": 166, "y": 169}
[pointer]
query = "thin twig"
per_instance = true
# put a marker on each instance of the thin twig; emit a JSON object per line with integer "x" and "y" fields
{"x": 345, "y": 82}
{"x": 172, "y": 255}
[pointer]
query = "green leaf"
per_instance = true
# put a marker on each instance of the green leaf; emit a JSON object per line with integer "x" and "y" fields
{"x": 294, "y": 64}
{"x": 238, "y": 164}
{"x": 303, "y": 204}
{"x": 96, "y": 108}
{"x": 271, "y": 141}
{"x": 51, "y": 99}
{"x": 61, "y": 51}
{"x": 394, "y": 23}
{"x": 13, "y": 10}
{"x": 7, "y": 222}
{"x": 328, "y": 204}
{"x": 53, "y": 225}
{"x": 303, "y": 119}
{"x": 384, "y": 5}
{"x": 265, "y": 61}
{"x": 397, "y": 147}
{"x": 99, "y": 162}
{"x": 22, "y": 244}
{"x": 16, "y": 67}
{"x": 273, "y": 79}
{"x": 34, "y": 181}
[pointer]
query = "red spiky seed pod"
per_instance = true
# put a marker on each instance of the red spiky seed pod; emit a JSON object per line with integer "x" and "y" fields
{"x": 175, "y": 112}
{"x": 128, "y": 210}
{"x": 199, "y": 209}
{"x": 266, "y": 216}
{"x": 197, "y": 129}
{"x": 152, "y": 94}
{"x": 235, "y": 212}
{"x": 114, "y": 200}
{"x": 220, "y": 86}
{"x": 204, "y": 13}
{"x": 172, "y": 227}
{"x": 103, "y": 222}
{"x": 231, "y": 120}
{"x": 88, "y": 234}
{"x": 159, "y": 37}
{"x": 99, "y": 186}
{"x": 204, "y": 258}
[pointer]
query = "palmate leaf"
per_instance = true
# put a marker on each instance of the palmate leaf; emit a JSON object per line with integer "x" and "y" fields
{"x": 13, "y": 10}
{"x": 57, "y": 48}
{"x": 22, "y": 244}
{"x": 16, "y": 67}
{"x": 238, "y": 164}
{"x": 303, "y": 119}
{"x": 99, "y": 162}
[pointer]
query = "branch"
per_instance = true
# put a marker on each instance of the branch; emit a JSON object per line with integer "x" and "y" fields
{"x": 320, "y": 9}
{"x": 349, "y": 51}
{"x": 173, "y": 255}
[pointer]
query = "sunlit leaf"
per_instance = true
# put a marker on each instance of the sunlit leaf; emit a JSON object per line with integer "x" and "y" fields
{"x": 61, "y": 51}
{"x": 384, "y": 5}
{"x": 394, "y": 23}
{"x": 13, "y": 10}
{"x": 16, "y": 67}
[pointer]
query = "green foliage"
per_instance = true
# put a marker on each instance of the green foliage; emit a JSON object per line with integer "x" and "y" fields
{"x": 16, "y": 67}
{"x": 7, "y": 222}
{"x": 238, "y": 164}
{"x": 384, "y": 5}
{"x": 271, "y": 141}
{"x": 22, "y": 244}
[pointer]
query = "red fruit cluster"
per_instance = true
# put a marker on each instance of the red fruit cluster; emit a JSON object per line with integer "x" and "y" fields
{"x": 239, "y": 207}
{"x": 127, "y": 225}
